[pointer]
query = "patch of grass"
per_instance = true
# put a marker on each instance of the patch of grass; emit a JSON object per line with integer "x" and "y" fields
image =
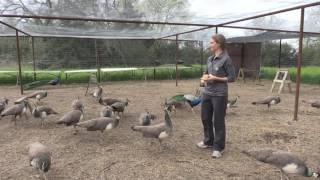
{"x": 309, "y": 74}
{"x": 160, "y": 73}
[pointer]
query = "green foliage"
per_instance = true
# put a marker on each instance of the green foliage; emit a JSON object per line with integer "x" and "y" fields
{"x": 309, "y": 74}
{"x": 311, "y": 52}
{"x": 270, "y": 54}
{"x": 160, "y": 74}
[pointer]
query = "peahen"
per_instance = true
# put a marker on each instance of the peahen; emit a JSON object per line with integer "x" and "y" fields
{"x": 270, "y": 100}
{"x": 287, "y": 162}
{"x": 39, "y": 157}
{"x": 231, "y": 102}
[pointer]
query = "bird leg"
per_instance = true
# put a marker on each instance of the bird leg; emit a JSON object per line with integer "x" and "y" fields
{"x": 160, "y": 141}
{"x": 75, "y": 130}
{"x": 14, "y": 120}
{"x": 43, "y": 174}
{"x": 41, "y": 122}
{"x": 102, "y": 136}
{"x": 194, "y": 113}
{"x": 37, "y": 102}
{"x": 25, "y": 115}
{"x": 282, "y": 174}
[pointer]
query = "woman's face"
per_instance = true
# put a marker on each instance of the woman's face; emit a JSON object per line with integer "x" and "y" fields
{"x": 214, "y": 45}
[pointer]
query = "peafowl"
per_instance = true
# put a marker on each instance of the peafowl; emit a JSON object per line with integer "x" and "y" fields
{"x": 16, "y": 110}
{"x": 180, "y": 99}
{"x": 159, "y": 131}
{"x": 287, "y": 162}
{"x": 71, "y": 118}
{"x": 231, "y": 103}
{"x": 39, "y": 157}
{"x": 55, "y": 81}
{"x": 3, "y": 104}
{"x": 270, "y": 100}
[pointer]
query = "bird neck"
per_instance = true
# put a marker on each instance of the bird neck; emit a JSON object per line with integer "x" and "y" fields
{"x": 310, "y": 173}
{"x": 168, "y": 121}
{"x": 27, "y": 105}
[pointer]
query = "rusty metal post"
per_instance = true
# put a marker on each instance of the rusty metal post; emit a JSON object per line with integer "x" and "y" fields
{"x": 97, "y": 59}
{"x": 154, "y": 71}
{"x": 19, "y": 62}
{"x": 298, "y": 76}
{"x": 279, "y": 60}
{"x": 201, "y": 46}
{"x": 177, "y": 56}
{"x": 33, "y": 60}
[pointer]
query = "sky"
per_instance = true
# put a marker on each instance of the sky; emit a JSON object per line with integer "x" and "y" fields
{"x": 207, "y": 7}
{"x": 236, "y": 9}
{"x": 239, "y": 9}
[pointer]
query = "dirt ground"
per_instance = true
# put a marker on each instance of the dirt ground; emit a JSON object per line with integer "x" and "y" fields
{"x": 124, "y": 154}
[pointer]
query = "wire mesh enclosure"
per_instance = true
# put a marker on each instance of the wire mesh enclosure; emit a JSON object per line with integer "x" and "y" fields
{"x": 47, "y": 23}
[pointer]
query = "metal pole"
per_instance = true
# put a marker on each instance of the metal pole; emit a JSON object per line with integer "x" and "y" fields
{"x": 19, "y": 62}
{"x": 177, "y": 54}
{"x": 242, "y": 55}
{"x": 217, "y": 30}
{"x": 154, "y": 71}
{"x": 279, "y": 60}
{"x": 33, "y": 60}
{"x": 97, "y": 58}
{"x": 201, "y": 45}
{"x": 298, "y": 78}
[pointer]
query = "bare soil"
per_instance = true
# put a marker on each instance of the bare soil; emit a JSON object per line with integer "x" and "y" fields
{"x": 124, "y": 154}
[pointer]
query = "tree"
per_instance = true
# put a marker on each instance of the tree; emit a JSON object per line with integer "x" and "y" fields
{"x": 78, "y": 53}
{"x": 271, "y": 22}
{"x": 270, "y": 54}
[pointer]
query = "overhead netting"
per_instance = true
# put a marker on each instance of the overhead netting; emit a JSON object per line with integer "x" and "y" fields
{"x": 180, "y": 15}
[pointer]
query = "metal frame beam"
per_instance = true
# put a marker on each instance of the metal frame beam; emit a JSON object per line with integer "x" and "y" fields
{"x": 69, "y": 18}
{"x": 268, "y": 29}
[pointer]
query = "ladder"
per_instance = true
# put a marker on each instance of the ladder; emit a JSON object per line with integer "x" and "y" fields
{"x": 242, "y": 77}
{"x": 282, "y": 77}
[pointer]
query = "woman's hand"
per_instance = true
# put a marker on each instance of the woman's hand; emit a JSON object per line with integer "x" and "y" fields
{"x": 204, "y": 77}
{"x": 212, "y": 77}
{"x": 216, "y": 78}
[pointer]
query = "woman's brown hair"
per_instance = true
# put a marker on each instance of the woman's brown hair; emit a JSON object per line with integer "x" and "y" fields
{"x": 220, "y": 39}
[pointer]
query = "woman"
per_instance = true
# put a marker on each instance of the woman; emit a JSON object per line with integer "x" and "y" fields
{"x": 219, "y": 72}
